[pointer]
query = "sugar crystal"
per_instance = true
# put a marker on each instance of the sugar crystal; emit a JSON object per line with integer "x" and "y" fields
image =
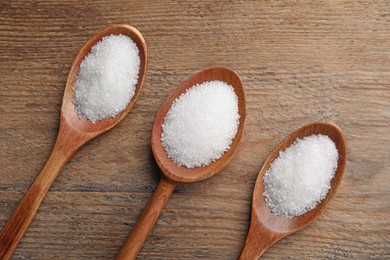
{"x": 299, "y": 178}
{"x": 201, "y": 124}
{"x": 107, "y": 78}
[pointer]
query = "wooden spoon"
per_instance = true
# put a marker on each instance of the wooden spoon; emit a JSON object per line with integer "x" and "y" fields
{"x": 73, "y": 133}
{"x": 267, "y": 228}
{"x": 173, "y": 174}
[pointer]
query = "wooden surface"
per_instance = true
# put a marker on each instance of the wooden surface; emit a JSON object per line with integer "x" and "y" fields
{"x": 300, "y": 61}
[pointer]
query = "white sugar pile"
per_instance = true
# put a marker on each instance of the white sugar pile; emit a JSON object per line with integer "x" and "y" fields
{"x": 299, "y": 178}
{"x": 107, "y": 78}
{"x": 201, "y": 124}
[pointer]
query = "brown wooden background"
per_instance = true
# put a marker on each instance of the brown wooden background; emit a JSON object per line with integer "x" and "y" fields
{"x": 300, "y": 61}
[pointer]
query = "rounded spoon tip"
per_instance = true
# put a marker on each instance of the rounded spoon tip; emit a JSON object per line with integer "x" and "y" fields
{"x": 181, "y": 173}
{"x": 68, "y": 111}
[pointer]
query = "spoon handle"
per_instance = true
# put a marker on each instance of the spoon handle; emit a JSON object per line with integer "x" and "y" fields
{"x": 17, "y": 224}
{"x": 259, "y": 239}
{"x": 147, "y": 220}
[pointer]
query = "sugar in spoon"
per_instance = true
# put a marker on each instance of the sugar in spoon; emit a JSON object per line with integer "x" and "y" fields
{"x": 174, "y": 175}
{"x": 73, "y": 133}
{"x": 267, "y": 228}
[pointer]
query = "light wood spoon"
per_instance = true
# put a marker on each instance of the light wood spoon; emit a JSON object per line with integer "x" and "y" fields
{"x": 173, "y": 174}
{"x": 267, "y": 228}
{"x": 73, "y": 133}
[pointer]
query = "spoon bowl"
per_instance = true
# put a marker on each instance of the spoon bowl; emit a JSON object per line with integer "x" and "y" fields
{"x": 183, "y": 174}
{"x": 73, "y": 133}
{"x": 267, "y": 228}
{"x": 68, "y": 110}
{"x": 173, "y": 174}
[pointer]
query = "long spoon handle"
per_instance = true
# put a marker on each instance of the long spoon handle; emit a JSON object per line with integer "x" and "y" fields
{"x": 259, "y": 239}
{"x": 19, "y": 221}
{"x": 17, "y": 224}
{"x": 147, "y": 220}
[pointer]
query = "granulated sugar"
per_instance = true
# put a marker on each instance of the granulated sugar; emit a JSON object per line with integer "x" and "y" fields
{"x": 107, "y": 78}
{"x": 201, "y": 124}
{"x": 299, "y": 178}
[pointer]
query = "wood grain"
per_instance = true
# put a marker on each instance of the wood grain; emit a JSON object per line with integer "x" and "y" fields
{"x": 146, "y": 221}
{"x": 300, "y": 61}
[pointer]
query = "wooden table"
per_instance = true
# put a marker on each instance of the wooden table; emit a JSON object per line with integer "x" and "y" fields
{"x": 300, "y": 61}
